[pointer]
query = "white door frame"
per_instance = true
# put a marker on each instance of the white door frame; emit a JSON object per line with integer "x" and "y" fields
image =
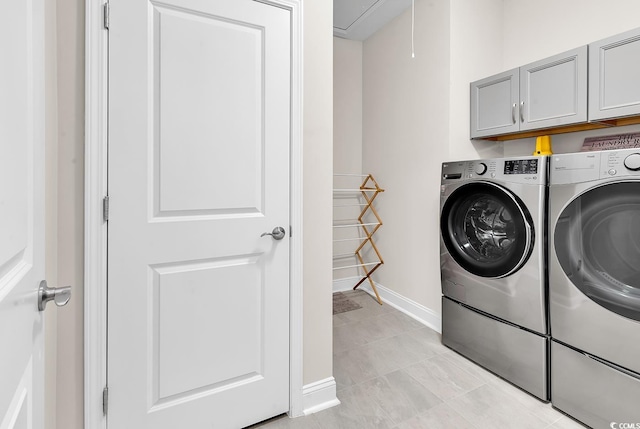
{"x": 95, "y": 230}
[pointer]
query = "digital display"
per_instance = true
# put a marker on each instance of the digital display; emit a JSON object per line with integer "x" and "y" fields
{"x": 521, "y": 166}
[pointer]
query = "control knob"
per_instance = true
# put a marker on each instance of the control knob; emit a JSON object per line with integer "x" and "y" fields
{"x": 480, "y": 168}
{"x": 632, "y": 162}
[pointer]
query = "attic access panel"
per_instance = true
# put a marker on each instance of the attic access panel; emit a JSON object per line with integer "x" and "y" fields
{"x": 346, "y": 12}
{"x": 359, "y": 19}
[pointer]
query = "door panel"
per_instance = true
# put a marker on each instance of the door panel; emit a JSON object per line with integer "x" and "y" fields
{"x": 487, "y": 230}
{"x": 576, "y": 318}
{"x": 193, "y": 150}
{"x": 554, "y": 90}
{"x": 199, "y": 123}
{"x": 21, "y": 213}
{"x": 613, "y": 84}
{"x": 597, "y": 242}
{"x": 494, "y": 104}
{"x": 193, "y": 298}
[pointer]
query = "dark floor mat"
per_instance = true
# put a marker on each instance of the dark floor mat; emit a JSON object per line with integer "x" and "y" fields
{"x": 342, "y": 304}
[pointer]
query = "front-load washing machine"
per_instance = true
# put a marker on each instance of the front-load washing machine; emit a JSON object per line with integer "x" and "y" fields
{"x": 594, "y": 286}
{"x": 492, "y": 260}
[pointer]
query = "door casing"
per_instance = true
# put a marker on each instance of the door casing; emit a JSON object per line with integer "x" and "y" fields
{"x": 96, "y": 188}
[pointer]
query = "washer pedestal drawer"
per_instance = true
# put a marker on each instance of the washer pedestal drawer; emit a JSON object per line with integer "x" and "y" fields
{"x": 517, "y": 355}
{"x": 591, "y": 391}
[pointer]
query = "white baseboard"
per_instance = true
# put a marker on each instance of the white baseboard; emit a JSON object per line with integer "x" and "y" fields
{"x": 419, "y": 312}
{"x": 319, "y": 396}
{"x": 341, "y": 285}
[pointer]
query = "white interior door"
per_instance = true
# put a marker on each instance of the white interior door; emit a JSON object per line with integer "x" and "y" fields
{"x": 21, "y": 213}
{"x": 199, "y": 132}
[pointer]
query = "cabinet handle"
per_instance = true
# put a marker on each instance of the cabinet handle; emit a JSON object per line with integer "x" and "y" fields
{"x": 522, "y": 111}
{"x": 513, "y": 113}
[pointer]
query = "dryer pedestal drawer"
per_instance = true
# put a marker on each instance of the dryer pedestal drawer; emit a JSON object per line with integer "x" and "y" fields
{"x": 517, "y": 355}
{"x": 591, "y": 391}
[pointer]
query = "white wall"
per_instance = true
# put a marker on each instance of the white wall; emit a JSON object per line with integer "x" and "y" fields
{"x": 537, "y": 29}
{"x": 70, "y": 202}
{"x": 347, "y": 106}
{"x": 318, "y": 161}
{"x": 405, "y": 138}
{"x": 476, "y": 36}
{"x": 347, "y": 144}
{"x": 416, "y": 115}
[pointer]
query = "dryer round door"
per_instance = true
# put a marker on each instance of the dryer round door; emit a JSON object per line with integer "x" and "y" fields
{"x": 487, "y": 229}
{"x": 597, "y": 243}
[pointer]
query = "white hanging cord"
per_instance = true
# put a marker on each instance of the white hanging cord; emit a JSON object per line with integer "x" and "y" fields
{"x": 413, "y": 14}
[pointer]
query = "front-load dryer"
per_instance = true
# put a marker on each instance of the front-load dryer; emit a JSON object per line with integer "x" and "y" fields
{"x": 492, "y": 260}
{"x": 594, "y": 289}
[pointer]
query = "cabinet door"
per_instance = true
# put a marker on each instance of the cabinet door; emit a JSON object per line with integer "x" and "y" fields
{"x": 494, "y": 105}
{"x": 614, "y": 81}
{"x": 553, "y": 91}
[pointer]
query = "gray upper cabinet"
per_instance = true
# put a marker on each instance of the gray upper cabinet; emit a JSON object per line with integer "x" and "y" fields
{"x": 494, "y": 103}
{"x": 553, "y": 92}
{"x": 543, "y": 94}
{"x": 614, "y": 81}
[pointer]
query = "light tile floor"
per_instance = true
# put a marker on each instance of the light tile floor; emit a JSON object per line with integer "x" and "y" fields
{"x": 394, "y": 373}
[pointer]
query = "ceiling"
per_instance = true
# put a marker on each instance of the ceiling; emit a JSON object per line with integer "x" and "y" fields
{"x": 359, "y": 19}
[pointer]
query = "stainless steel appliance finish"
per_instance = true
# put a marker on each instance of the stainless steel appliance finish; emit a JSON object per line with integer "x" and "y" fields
{"x": 594, "y": 289}
{"x": 513, "y": 353}
{"x": 492, "y": 256}
{"x": 591, "y": 391}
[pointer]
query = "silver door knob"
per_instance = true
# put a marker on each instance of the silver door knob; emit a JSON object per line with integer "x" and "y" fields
{"x": 60, "y": 295}
{"x": 277, "y": 233}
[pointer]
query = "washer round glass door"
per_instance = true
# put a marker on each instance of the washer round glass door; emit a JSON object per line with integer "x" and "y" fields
{"x": 487, "y": 229}
{"x": 597, "y": 242}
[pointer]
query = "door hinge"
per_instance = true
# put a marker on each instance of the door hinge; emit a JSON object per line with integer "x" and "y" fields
{"x": 105, "y": 208}
{"x": 105, "y": 400}
{"x": 105, "y": 15}
{"x": 290, "y": 231}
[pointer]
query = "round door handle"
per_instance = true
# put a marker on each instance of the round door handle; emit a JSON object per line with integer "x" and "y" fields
{"x": 60, "y": 295}
{"x": 278, "y": 233}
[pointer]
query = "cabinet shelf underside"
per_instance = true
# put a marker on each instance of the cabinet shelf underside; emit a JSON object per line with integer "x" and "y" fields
{"x": 620, "y": 122}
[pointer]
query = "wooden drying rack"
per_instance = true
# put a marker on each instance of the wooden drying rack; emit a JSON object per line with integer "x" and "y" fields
{"x": 369, "y": 191}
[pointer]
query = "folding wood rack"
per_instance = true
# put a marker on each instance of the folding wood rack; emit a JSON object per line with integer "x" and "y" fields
{"x": 367, "y": 192}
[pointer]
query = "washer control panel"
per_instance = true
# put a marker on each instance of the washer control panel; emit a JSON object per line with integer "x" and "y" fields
{"x": 521, "y": 166}
{"x": 480, "y": 168}
{"x": 527, "y": 170}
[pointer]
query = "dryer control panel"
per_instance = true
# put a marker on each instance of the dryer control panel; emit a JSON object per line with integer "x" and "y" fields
{"x": 620, "y": 163}
{"x": 588, "y": 166}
